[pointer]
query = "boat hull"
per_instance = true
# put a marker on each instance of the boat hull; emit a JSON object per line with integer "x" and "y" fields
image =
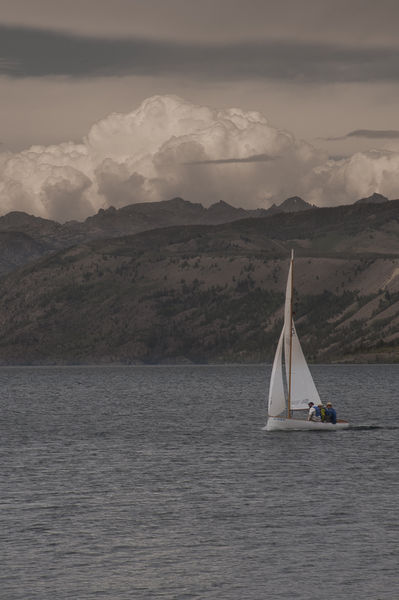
{"x": 284, "y": 424}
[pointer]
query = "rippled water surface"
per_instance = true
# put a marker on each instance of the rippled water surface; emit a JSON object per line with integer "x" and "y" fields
{"x": 158, "y": 482}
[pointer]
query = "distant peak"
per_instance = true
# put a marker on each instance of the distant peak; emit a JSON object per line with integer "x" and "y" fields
{"x": 222, "y": 205}
{"x": 292, "y": 204}
{"x": 373, "y": 199}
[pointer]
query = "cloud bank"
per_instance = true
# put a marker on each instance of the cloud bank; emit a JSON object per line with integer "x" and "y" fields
{"x": 32, "y": 52}
{"x": 170, "y": 147}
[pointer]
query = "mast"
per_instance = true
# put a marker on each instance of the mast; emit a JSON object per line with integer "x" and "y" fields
{"x": 290, "y": 354}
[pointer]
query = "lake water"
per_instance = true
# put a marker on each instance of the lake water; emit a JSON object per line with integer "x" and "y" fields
{"x": 158, "y": 482}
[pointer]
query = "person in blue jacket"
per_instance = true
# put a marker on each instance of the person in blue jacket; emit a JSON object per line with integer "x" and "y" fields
{"x": 331, "y": 414}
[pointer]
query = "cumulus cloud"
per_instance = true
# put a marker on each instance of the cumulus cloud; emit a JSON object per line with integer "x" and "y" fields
{"x": 356, "y": 177}
{"x": 49, "y": 181}
{"x": 171, "y": 147}
{"x": 63, "y": 194}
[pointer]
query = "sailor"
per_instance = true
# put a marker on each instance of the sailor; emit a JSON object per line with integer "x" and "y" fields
{"x": 322, "y": 412}
{"x": 331, "y": 414}
{"x": 314, "y": 412}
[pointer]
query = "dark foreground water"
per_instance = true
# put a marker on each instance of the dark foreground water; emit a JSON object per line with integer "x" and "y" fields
{"x": 158, "y": 482}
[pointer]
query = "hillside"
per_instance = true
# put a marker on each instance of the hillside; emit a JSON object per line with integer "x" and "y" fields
{"x": 212, "y": 293}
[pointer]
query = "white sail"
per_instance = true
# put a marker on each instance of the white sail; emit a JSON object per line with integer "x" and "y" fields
{"x": 276, "y": 391}
{"x": 300, "y": 383}
{"x": 303, "y": 389}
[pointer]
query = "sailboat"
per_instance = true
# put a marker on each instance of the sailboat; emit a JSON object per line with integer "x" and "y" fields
{"x": 299, "y": 388}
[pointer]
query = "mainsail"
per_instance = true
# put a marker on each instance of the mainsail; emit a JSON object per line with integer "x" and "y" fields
{"x": 299, "y": 382}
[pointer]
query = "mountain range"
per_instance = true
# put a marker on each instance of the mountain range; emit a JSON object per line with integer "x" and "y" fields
{"x": 173, "y": 282}
{"x": 24, "y": 237}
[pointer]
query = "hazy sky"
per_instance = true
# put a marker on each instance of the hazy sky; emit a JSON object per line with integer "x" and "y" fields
{"x": 322, "y": 71}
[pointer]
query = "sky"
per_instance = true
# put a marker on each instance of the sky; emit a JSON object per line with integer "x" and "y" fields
{"x": 247, "y": 101}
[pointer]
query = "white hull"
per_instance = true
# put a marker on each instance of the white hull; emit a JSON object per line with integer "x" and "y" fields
{"x": 293, "y": 424}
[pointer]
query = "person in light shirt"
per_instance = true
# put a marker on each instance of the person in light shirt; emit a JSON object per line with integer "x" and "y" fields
{"x": 314, "y": 412}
